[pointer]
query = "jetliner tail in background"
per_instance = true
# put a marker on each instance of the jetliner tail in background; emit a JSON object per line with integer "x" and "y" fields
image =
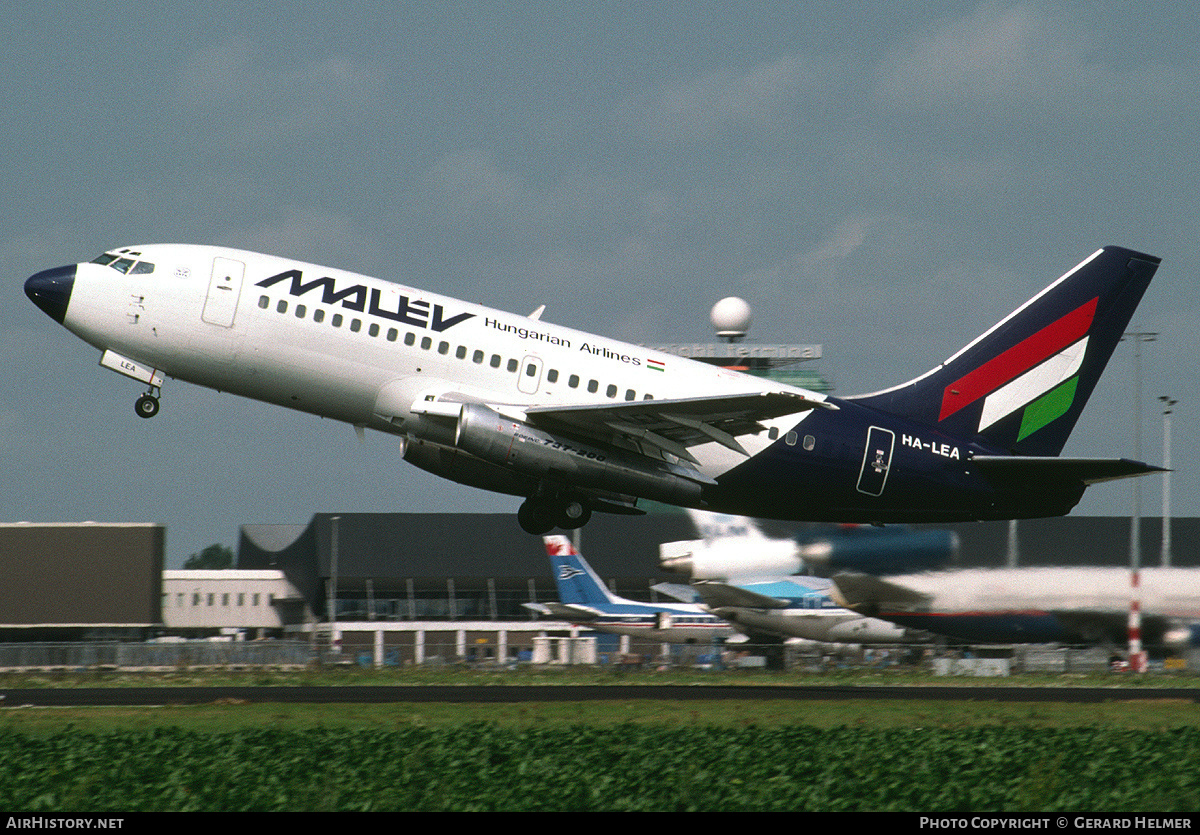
{"x": 1022, "y": 385}
{"x": 713, "y": 526}
{"x": 577, "y": 582}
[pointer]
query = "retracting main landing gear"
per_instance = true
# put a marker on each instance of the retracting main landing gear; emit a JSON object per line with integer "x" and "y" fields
{"x": 541, "y": 514}
{"x": 147, "y": 405}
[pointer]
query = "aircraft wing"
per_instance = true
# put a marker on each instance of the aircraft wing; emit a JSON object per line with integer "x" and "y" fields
{"x": 1035, "y": 468}
{"x": 565, "y": 611}
{"x": 865, "y": 593}
{"x": 674, "y": 425}
{"x": 722, "y": 595}
{"x": 687, "y": 594}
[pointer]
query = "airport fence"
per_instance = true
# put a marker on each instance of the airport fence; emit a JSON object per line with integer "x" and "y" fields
{"x": 153, "y": 655}
{"x": 555, "y": 651}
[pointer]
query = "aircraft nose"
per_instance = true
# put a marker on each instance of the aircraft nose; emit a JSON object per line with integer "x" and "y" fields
{"x": 51, "y": 291}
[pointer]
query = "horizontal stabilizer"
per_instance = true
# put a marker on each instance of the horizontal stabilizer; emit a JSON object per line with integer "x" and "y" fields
{"x": 1040, "y": 469}
{"x": 721, "y": 595}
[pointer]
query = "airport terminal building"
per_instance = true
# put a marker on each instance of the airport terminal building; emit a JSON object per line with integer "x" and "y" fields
{"x": 409, "y": 587}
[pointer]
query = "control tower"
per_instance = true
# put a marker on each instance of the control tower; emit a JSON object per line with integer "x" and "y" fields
{"x": 731, "y": 319}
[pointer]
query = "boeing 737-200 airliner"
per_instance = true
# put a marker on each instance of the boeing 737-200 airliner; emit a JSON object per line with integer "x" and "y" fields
{"x": 577, "y": 423}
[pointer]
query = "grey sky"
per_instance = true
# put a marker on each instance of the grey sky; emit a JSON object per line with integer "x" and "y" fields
{"x": 886, "y": 181}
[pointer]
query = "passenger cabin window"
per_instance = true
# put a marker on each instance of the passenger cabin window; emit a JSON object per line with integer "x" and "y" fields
{"x": 593, "y": 386}
{"x": 318, "y": 315}
{"x": 512, "y": 365}
{"x": 573, "y": 381}
{"x": 611, "y": 391}
{"x": 552, "y": 375}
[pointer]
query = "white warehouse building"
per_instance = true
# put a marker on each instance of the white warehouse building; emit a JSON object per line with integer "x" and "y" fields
{"x": 230, "y": 598}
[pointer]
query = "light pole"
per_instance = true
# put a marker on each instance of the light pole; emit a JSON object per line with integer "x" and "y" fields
{"x": 334, "y": 643}
{"x": 1137, "y": 656}
{"x": 1168, "y": 407}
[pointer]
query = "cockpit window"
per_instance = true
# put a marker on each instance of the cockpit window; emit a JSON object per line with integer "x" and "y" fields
{"x": 125, "y": 266}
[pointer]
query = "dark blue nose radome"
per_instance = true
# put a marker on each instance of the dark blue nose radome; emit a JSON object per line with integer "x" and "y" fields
{"x": 51, "y": 291}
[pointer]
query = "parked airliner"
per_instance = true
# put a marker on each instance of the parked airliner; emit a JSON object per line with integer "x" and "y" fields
{"x": 585, "y": 600}
{"x": 577, "y": 423}
{"x": 1033, "y": 605}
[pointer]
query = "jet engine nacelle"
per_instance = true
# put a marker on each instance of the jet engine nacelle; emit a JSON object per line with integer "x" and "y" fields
{"x": 537, "y": 454}
{"x": 722, "y": 559}
{"x": 457, "y": 465}
{"x": 868, "y": 552}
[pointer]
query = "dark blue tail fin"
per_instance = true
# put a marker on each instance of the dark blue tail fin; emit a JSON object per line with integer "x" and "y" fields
{"x": 1022, "y": 385}
{"x": 577, "y": 582}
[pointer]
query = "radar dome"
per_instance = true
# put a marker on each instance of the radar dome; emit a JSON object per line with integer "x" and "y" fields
{"x": 731, "y": 317}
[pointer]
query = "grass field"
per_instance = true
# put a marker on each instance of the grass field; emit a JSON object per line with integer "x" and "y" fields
{"x": 645, "y": 754}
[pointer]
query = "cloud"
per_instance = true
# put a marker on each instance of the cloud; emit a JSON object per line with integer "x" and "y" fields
{"x": 1020, "y": 62}
{"x": 758, "y": 99}
{"x": 312, "y": 235}
{"x": 236, "y": 94}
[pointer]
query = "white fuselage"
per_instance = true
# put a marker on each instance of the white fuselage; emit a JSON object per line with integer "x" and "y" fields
{"x": 365, "y": 351}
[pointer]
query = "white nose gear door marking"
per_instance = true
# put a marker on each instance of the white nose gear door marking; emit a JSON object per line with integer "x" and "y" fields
{"x": 877, "y": 458}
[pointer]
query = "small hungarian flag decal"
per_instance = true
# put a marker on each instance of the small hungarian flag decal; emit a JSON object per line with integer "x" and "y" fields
{"x": 656, "y": 365}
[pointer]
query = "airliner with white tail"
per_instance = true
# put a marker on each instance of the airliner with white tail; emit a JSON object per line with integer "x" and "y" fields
{"x": 577, "y": 423}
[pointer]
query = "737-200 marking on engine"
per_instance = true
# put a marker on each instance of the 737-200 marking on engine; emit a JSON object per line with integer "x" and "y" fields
{"x": 559, "y": 445}
{"x": 937, "y": 448}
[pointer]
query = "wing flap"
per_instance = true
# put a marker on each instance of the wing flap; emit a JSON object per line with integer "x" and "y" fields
{"x": 674, "y": 425}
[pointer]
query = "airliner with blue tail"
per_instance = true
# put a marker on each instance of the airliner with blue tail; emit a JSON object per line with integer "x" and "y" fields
{"x": 585, "y": 600}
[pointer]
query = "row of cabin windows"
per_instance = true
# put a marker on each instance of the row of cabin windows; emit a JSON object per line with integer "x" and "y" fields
{"x": 198, "y": 598}
{"x": 410, "y": 338}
